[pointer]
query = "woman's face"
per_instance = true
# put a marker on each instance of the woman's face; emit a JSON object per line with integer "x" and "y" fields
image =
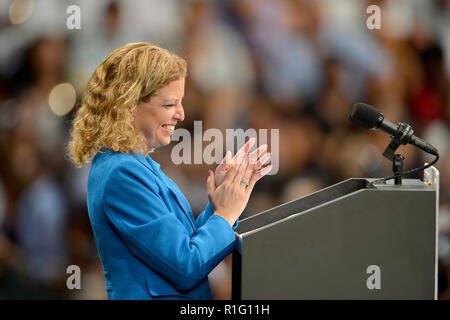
{"x": 157, "y": 117}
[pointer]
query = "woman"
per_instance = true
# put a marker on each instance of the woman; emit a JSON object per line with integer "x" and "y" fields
{"x": 150, "y": 245}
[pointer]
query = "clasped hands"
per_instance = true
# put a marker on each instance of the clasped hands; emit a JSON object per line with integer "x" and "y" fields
{"x": 230, "y": 185}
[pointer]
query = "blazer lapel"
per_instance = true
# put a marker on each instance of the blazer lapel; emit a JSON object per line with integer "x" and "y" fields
{"x": 176, "y": 192}
{"x": 184, "y": 204}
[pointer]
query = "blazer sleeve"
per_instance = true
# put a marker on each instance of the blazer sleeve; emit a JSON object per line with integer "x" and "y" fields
{"x": 206, "y": 214}
{"x": 154, "y": 234}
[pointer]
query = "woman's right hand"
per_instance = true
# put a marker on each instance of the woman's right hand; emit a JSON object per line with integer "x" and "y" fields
{"x": 230, "y": 198}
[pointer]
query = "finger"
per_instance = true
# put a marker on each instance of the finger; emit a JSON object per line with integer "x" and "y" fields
{"x": 247, "y": 146}
{"x": 210, "y": 182}
{"x": 248, "y": 175}
{"x": 242, "y": 168}
{"x": 257, "y": 153}
{"x": 258, "y": 175}
{"x": 246, "y": 152}
{"x": 226, "y": 159}
{"x": 237, "y": 161}
{"x": 223, "y": 164}
{"x": 223, "y": 167}
{"x": 229, "y": 177}
{"x": 252, "y": 163}
{"x": 262, "y": 161}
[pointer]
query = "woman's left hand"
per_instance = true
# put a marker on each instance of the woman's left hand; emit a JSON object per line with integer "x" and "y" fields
{"x": 227, "y": 161}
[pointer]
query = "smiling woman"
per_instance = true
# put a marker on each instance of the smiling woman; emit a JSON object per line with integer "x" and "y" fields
{"x": 157, "y": 117}
{"x": 149, "y": 243}
{"x": 123, "y": 82}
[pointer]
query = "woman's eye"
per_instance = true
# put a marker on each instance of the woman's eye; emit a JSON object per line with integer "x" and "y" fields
{"x": 170, "y": 105}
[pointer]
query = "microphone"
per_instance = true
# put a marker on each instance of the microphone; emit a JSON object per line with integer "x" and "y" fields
{"x": 370, "y": 118}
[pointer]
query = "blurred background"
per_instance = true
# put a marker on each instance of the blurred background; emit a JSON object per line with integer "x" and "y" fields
{"x": 294, "y": 65}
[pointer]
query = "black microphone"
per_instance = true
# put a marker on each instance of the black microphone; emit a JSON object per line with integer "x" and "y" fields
{"x": 370, "y": 118}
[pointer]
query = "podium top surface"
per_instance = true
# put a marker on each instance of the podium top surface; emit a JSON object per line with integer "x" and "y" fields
{"x": 324, "y": 196}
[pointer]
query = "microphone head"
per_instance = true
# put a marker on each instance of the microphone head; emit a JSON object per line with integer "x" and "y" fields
{"x": 366, "y": 116}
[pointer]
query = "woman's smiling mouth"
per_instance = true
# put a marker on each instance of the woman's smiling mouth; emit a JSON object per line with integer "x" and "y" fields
{"x": 169, "y": 128}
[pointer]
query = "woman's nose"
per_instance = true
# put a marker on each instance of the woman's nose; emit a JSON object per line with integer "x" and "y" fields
{"x": 180, "y": 113}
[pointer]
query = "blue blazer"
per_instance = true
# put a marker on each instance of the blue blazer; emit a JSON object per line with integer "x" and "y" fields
{"x": 149, "y": 243}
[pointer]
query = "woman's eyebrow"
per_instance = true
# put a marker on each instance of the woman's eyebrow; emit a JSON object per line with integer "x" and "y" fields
{"x": 170, "y": 100}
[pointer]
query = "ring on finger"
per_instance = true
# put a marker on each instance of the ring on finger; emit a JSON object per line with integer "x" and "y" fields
{"x": 245, "y": 182}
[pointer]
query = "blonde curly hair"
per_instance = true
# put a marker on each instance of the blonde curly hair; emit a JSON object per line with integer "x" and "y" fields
{"x": 129, "y": 75}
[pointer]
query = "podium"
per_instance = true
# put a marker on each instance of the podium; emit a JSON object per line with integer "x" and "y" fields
{"x": 352, "y": 240}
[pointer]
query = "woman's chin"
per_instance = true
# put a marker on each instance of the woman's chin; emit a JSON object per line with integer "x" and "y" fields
{"x": 160, "y": 144}
{"x": 166, "y": 141}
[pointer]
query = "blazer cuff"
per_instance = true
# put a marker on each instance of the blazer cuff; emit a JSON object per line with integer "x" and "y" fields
{"x": 209, "y": 210}
{"x": 229, "y": 231}
{"x": 235, "y": 224}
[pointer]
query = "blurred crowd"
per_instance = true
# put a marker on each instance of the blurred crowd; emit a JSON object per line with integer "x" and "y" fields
{"x": 293, "y": 65}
